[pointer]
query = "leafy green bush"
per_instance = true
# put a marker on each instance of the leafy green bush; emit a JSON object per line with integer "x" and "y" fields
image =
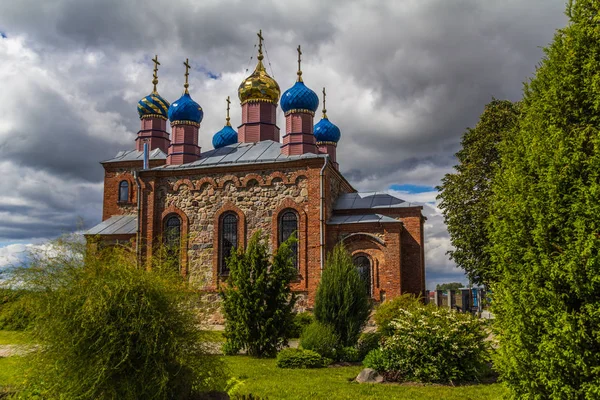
{"x": 320, "y": 338}
{"x": 368, "y": 341}
{"x": 111, "y": 330}
{"x": 257, "y": 300}
{"x": 342, "y": 300}
{"x": 431, "y": 344}
{"x": 301, "y": 321}
{"x": 301, "y": 358}
{"x": 348, "y": 354}
{"x": 389, "y": 310}
{"x": 16, "y": 309}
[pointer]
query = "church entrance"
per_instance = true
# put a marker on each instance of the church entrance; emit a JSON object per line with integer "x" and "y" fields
{"x": 363, "y": 265}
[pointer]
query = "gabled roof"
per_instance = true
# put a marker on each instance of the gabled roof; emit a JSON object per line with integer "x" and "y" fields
{"x": 115, "y": 225}
{"x": 360, "y": 219}
{"x": 369, "y": 200}
{"x": 134, "y": 155}
{"x": 266, "y": 151}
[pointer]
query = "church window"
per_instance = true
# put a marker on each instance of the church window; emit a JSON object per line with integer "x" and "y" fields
{"x": 288, "y": 225}
{"x": 123, "y": 191}
{"x": 363, "y": 266}
{"x": 228, "y": 239}
{"x": 172, "y": 238}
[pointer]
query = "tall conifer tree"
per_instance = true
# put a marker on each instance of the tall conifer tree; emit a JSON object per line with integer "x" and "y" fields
{"x": 257, "y": 300}
{"x": 545, "y": 227}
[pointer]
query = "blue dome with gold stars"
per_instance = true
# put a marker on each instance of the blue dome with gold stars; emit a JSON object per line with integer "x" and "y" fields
{"x": 185, "y": 109}
{"x": 153, "y": 105}
{"x": 325, "y": 131}
{"x": 299, "y": 97}
{"x": 225, "y": 137}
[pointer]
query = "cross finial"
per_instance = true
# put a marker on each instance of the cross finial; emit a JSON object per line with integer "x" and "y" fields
{"x": 155, "y": 74}
{"x": 299, "y": 60}
{"x": 227, "y": 119}
{"x": 260, "y": 40}
{"x": 324, "y": 109}
{"x": 187, "y": 73}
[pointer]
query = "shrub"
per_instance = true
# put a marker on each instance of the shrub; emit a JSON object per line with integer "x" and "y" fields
{"x": 110, "y": 330}
{"x": 301, "y": 321}
{"x": 300, "y": 358}
{"x": 320, "y": 338}
{"x": 16, "y": 309}
{"x": 431, "y": 344}
{"x": 368, "y": 341}
{"x": 389, "y": 310}
{"x": 348, "y": 354}
{"x": 257, "y": 300}
{"x": 342, "y": 300}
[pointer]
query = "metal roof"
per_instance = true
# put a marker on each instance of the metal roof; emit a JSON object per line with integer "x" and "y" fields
{"x": 360, "y": 219}
{"x": 266, "y": 151}
{"x": 115, "y": 225}
{"x": 134, "y": 155}
{"x": 369, "y": 200}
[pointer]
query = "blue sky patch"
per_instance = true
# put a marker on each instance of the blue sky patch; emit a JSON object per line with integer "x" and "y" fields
{"x": 2, "y": 35}
{"x": 208, "y": 73}
{"x": 413, "y": 188}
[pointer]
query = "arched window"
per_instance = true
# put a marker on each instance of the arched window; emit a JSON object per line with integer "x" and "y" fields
{"x": 363, "y": 265}
{"x": 228, "y": 239}
{"x": 288, "y": 225}
{"x": 123, "y": 191}
{"x": 172, "y": 238}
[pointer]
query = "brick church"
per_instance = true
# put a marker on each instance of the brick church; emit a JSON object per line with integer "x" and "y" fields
{"x": 207, "y": 203}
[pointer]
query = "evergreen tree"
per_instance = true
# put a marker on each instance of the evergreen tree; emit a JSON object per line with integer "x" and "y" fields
{"x": 545, "y": 227}
{"x": 465, "y": 194}
{"x": 257, "y": 300}
{"x": 342, "y": 300}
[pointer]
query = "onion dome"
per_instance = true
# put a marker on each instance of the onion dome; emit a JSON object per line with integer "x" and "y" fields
{"x": 299, "y": 97}
{"x": 325, "y": 130}
{"x": 185, "y": 110}
{"x": 153, "y": 105}
{"x": 227, "y": 135}
{"x": 259, "y": 86}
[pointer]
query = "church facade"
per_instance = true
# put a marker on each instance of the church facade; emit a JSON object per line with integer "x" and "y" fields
{"x": 208, "y": 203}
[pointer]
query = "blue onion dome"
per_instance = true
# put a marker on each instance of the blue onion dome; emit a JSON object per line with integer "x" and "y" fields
{"x": 225, "y": 137}
{"x": 325, "y": 131}
{"x": 153, "y": 105}
{"x": 299, "y": 97}
{"x": 185, "y": 110}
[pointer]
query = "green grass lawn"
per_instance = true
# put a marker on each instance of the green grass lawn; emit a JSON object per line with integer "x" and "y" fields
{"x": 14, "y": 337}
{"x": 261, "y": 377}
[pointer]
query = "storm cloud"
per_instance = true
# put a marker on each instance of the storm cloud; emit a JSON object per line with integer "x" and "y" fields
{"x": 404, "y": 80}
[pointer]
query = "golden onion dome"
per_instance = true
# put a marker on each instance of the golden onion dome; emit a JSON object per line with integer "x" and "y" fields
{"x": 259, "y": 86}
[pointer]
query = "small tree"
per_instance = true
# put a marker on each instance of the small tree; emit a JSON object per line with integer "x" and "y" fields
{"x": 342, "y": 300}
{"x": 449, "y": 286}
{"x": 257, "y": 300}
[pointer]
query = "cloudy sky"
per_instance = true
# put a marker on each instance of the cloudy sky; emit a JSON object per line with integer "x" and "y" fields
{"x": 404, "y": 79}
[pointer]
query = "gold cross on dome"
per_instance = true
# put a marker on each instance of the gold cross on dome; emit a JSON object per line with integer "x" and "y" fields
{"x": 324, "y": 109}
{"x": 299, "y": 60}
{"x": 260, "y": 40}
{"x": 228, "y": 103}
{"x": 155, "y": 74}
{"x": 187, "y": 68}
